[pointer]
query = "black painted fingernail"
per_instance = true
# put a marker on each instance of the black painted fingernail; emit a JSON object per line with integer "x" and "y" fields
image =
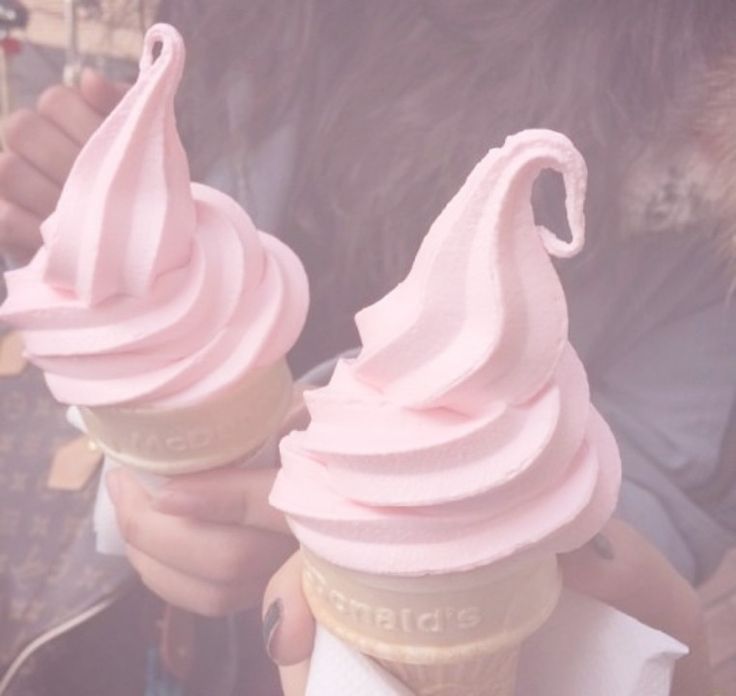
{"x": 603, "y": 547}
{"x": 271, "y": 620}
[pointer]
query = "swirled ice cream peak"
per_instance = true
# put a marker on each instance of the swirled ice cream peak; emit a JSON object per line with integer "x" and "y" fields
{"x": 126, "y": 214}
{"x": 463, "y": 432}
{"x": 150, "y": 289}
{"x": 481, "y": 314}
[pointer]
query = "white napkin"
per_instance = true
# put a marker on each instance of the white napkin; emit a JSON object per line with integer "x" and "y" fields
{"x": 104, "y": 522}
{"x": 585, "y": 648}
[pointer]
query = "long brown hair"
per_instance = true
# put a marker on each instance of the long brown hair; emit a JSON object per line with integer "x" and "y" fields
{"x": 395, "y": 100}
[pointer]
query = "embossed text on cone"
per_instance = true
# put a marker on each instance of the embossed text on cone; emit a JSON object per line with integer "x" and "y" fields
{"x": 455, "y": 634}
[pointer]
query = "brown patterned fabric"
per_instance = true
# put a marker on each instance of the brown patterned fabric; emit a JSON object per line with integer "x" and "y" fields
{"x": 50, "y": 573}
{"x": 103, "y": 656}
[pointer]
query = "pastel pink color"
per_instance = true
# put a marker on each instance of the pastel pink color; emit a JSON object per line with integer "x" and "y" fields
{"x": 148, "y": 288}
{"x": 463, "y": 433}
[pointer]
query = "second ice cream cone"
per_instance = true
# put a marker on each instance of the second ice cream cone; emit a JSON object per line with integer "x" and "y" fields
{"x": 448, "y": 464}
{"x": 442, "y": 635}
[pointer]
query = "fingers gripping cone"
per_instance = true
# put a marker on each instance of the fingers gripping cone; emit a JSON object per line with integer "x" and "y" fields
{"x": 157, "y": 444}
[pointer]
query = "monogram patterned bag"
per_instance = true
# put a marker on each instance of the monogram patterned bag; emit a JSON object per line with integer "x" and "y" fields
{"x": 51, "y": 580}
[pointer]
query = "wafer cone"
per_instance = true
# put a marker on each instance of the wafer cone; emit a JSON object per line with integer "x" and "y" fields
{"x": 168, "y": 442}
{"x": 456, "y": 634}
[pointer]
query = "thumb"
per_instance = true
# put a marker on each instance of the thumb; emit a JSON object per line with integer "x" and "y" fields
{"x": 288, "y": 626}
{"x": 99, "y": 92}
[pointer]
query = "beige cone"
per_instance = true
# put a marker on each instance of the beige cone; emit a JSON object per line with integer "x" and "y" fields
{"x": 456, "y": 634}
{"x": 168, "y": 442}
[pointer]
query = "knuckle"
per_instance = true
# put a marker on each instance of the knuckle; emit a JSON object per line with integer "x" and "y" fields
{"x": 53, "y": 100}
{"x": 18, "y": 127}
{"x": 9, "y": 165}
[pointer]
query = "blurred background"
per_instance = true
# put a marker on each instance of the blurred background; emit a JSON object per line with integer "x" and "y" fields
{"x": 45, "y": 41}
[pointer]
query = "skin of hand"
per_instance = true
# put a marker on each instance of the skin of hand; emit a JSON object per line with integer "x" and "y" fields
{"x": 207, "y": 542}
{"x": 39, "y": 148}
{"x": 642, "y": 583}
{"x": 624, "y": 571}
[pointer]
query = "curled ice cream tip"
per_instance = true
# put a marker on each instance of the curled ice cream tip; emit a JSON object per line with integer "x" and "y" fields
{"x": 149, "y": 289}
{"x": 482, "y": 313}
{"x": 126, "y": 214}
{"x": 463, "y": 433}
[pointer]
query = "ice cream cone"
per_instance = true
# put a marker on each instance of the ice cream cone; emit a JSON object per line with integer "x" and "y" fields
{"x": 167, "y": 442}
{"x": 449, "y": 463}
{"x": 455, "y": 634}
{"x": 154, "y": 305}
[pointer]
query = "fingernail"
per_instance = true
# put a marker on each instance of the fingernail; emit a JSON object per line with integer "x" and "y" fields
{"x": 114, "y": 485}
{"x": 603, "y": 547}
{"x": 271, "y": 621}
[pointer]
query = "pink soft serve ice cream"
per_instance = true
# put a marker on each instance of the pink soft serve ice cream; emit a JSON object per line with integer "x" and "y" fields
{"x": 463, "y": 433}
{"x": 148, "y": 289}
